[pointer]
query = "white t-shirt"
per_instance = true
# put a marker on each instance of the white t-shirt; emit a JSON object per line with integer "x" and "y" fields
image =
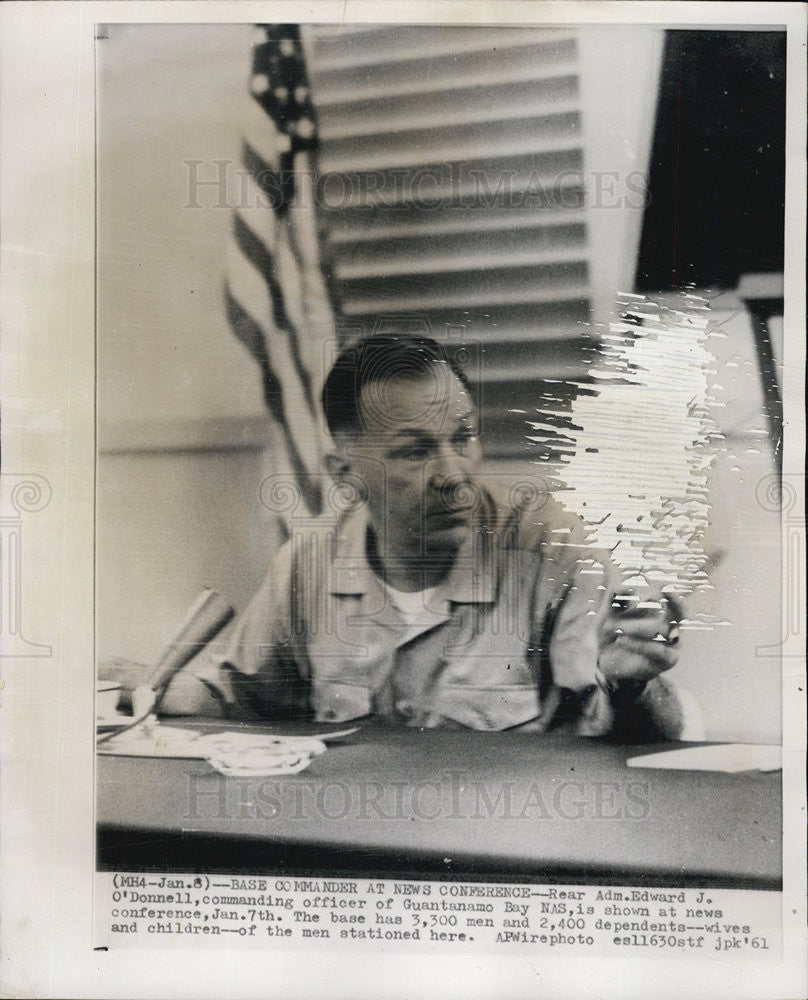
{"x": 415, "y": 604}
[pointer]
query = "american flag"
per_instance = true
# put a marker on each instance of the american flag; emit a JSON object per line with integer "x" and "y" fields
{"x": 276, "y": 297}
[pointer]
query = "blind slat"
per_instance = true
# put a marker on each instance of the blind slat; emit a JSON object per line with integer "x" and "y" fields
{"x": 453, "y": 189}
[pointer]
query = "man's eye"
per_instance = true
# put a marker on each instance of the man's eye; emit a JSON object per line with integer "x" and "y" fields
{"x": 464, "y": 438}
{"x": 415, "y": 454}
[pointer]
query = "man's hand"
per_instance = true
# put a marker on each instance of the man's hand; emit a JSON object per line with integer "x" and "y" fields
{"x": 127, "y": 674}
{"x": 638, "y": 640}
{"x": 185, "y": 695}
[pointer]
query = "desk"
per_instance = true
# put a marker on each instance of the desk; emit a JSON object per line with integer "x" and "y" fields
{"x": 446, "y": 804}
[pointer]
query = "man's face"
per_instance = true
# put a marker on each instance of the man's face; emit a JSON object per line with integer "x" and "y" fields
{"x": 415, "y": 455}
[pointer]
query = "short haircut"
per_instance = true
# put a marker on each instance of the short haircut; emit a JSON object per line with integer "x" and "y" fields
{"x": 377, "y": 359}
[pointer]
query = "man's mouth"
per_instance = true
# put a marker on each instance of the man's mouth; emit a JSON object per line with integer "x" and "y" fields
{"x": 450, "y": 514}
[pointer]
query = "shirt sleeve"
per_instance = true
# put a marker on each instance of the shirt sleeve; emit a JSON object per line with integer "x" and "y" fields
{"x": 578, "y": 580}
{"x": 583, "y": 580}
{"x": 260, "y": 673}
{"x": 574, "y": 586}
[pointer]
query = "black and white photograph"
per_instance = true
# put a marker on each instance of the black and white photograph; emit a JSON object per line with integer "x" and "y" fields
{"x": 445, "y": 366}
{"x": 444, "y": 537}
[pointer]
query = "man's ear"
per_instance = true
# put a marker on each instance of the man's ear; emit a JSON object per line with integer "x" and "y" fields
{"x": 341, "y": 469}
{"x": 338, "y": 465}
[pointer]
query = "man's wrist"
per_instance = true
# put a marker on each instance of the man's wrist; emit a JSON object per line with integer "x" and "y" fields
{"x": 625, "y": 691}
{"x": 187, "y": 694}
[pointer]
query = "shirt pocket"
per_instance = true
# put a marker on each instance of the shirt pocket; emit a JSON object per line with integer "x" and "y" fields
{"x": 338, "y": 701}
{"x": 491, "y": 708}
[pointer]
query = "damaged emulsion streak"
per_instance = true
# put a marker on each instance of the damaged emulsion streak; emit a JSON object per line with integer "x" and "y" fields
{"x": 643, "y": 441}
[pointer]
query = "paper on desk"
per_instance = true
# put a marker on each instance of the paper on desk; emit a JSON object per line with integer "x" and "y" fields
{"x": 727, "y": 757}
{"x": 238, "y": 754}
{"x": 154, "y": 741}
{"x": 231, "y": 752}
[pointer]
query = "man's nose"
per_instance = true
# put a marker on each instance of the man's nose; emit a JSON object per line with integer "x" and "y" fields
{"x": 447, "y": 469}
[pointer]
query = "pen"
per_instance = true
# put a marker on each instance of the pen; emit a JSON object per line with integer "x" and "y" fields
{"x": 206, "y": 617}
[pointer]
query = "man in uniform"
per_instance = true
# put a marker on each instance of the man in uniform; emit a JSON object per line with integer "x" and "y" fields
{"x": 431, "y": 599}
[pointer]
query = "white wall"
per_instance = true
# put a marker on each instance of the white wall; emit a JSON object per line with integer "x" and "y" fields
{"x": 621, "y": 67}
{"x": 169, "y": 524}
{"x": 181, "y": 418}
{"x": 166, "y": 96}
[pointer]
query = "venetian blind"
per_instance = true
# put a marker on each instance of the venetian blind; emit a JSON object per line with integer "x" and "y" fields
{"x": 453, "y": 183}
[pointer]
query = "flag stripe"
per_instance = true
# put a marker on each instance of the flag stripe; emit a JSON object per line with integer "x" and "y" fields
{"x": 260, "y": 257}
{"x": 276, "y": 299}
{"x": 250, "y": 333}
{"x": 263, "y": 136}
{"x": 252, "y": 336}
{"x": 305, "y": 244}
{"x": 268, "y": 179}
{"x": 256, "y": 210}
{"x": 249, "y": 289}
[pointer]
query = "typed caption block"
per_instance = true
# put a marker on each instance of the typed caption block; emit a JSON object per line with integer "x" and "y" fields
{"x": 147, "y": 910}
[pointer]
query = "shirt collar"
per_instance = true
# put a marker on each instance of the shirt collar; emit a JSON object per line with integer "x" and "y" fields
{"x": 471, "y": 580}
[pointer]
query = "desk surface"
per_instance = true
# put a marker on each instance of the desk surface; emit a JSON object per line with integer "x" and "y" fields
{"x": 438, "y": 803}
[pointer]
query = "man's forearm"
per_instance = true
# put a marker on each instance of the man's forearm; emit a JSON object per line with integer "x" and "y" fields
{"x": 188, "y": 695}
